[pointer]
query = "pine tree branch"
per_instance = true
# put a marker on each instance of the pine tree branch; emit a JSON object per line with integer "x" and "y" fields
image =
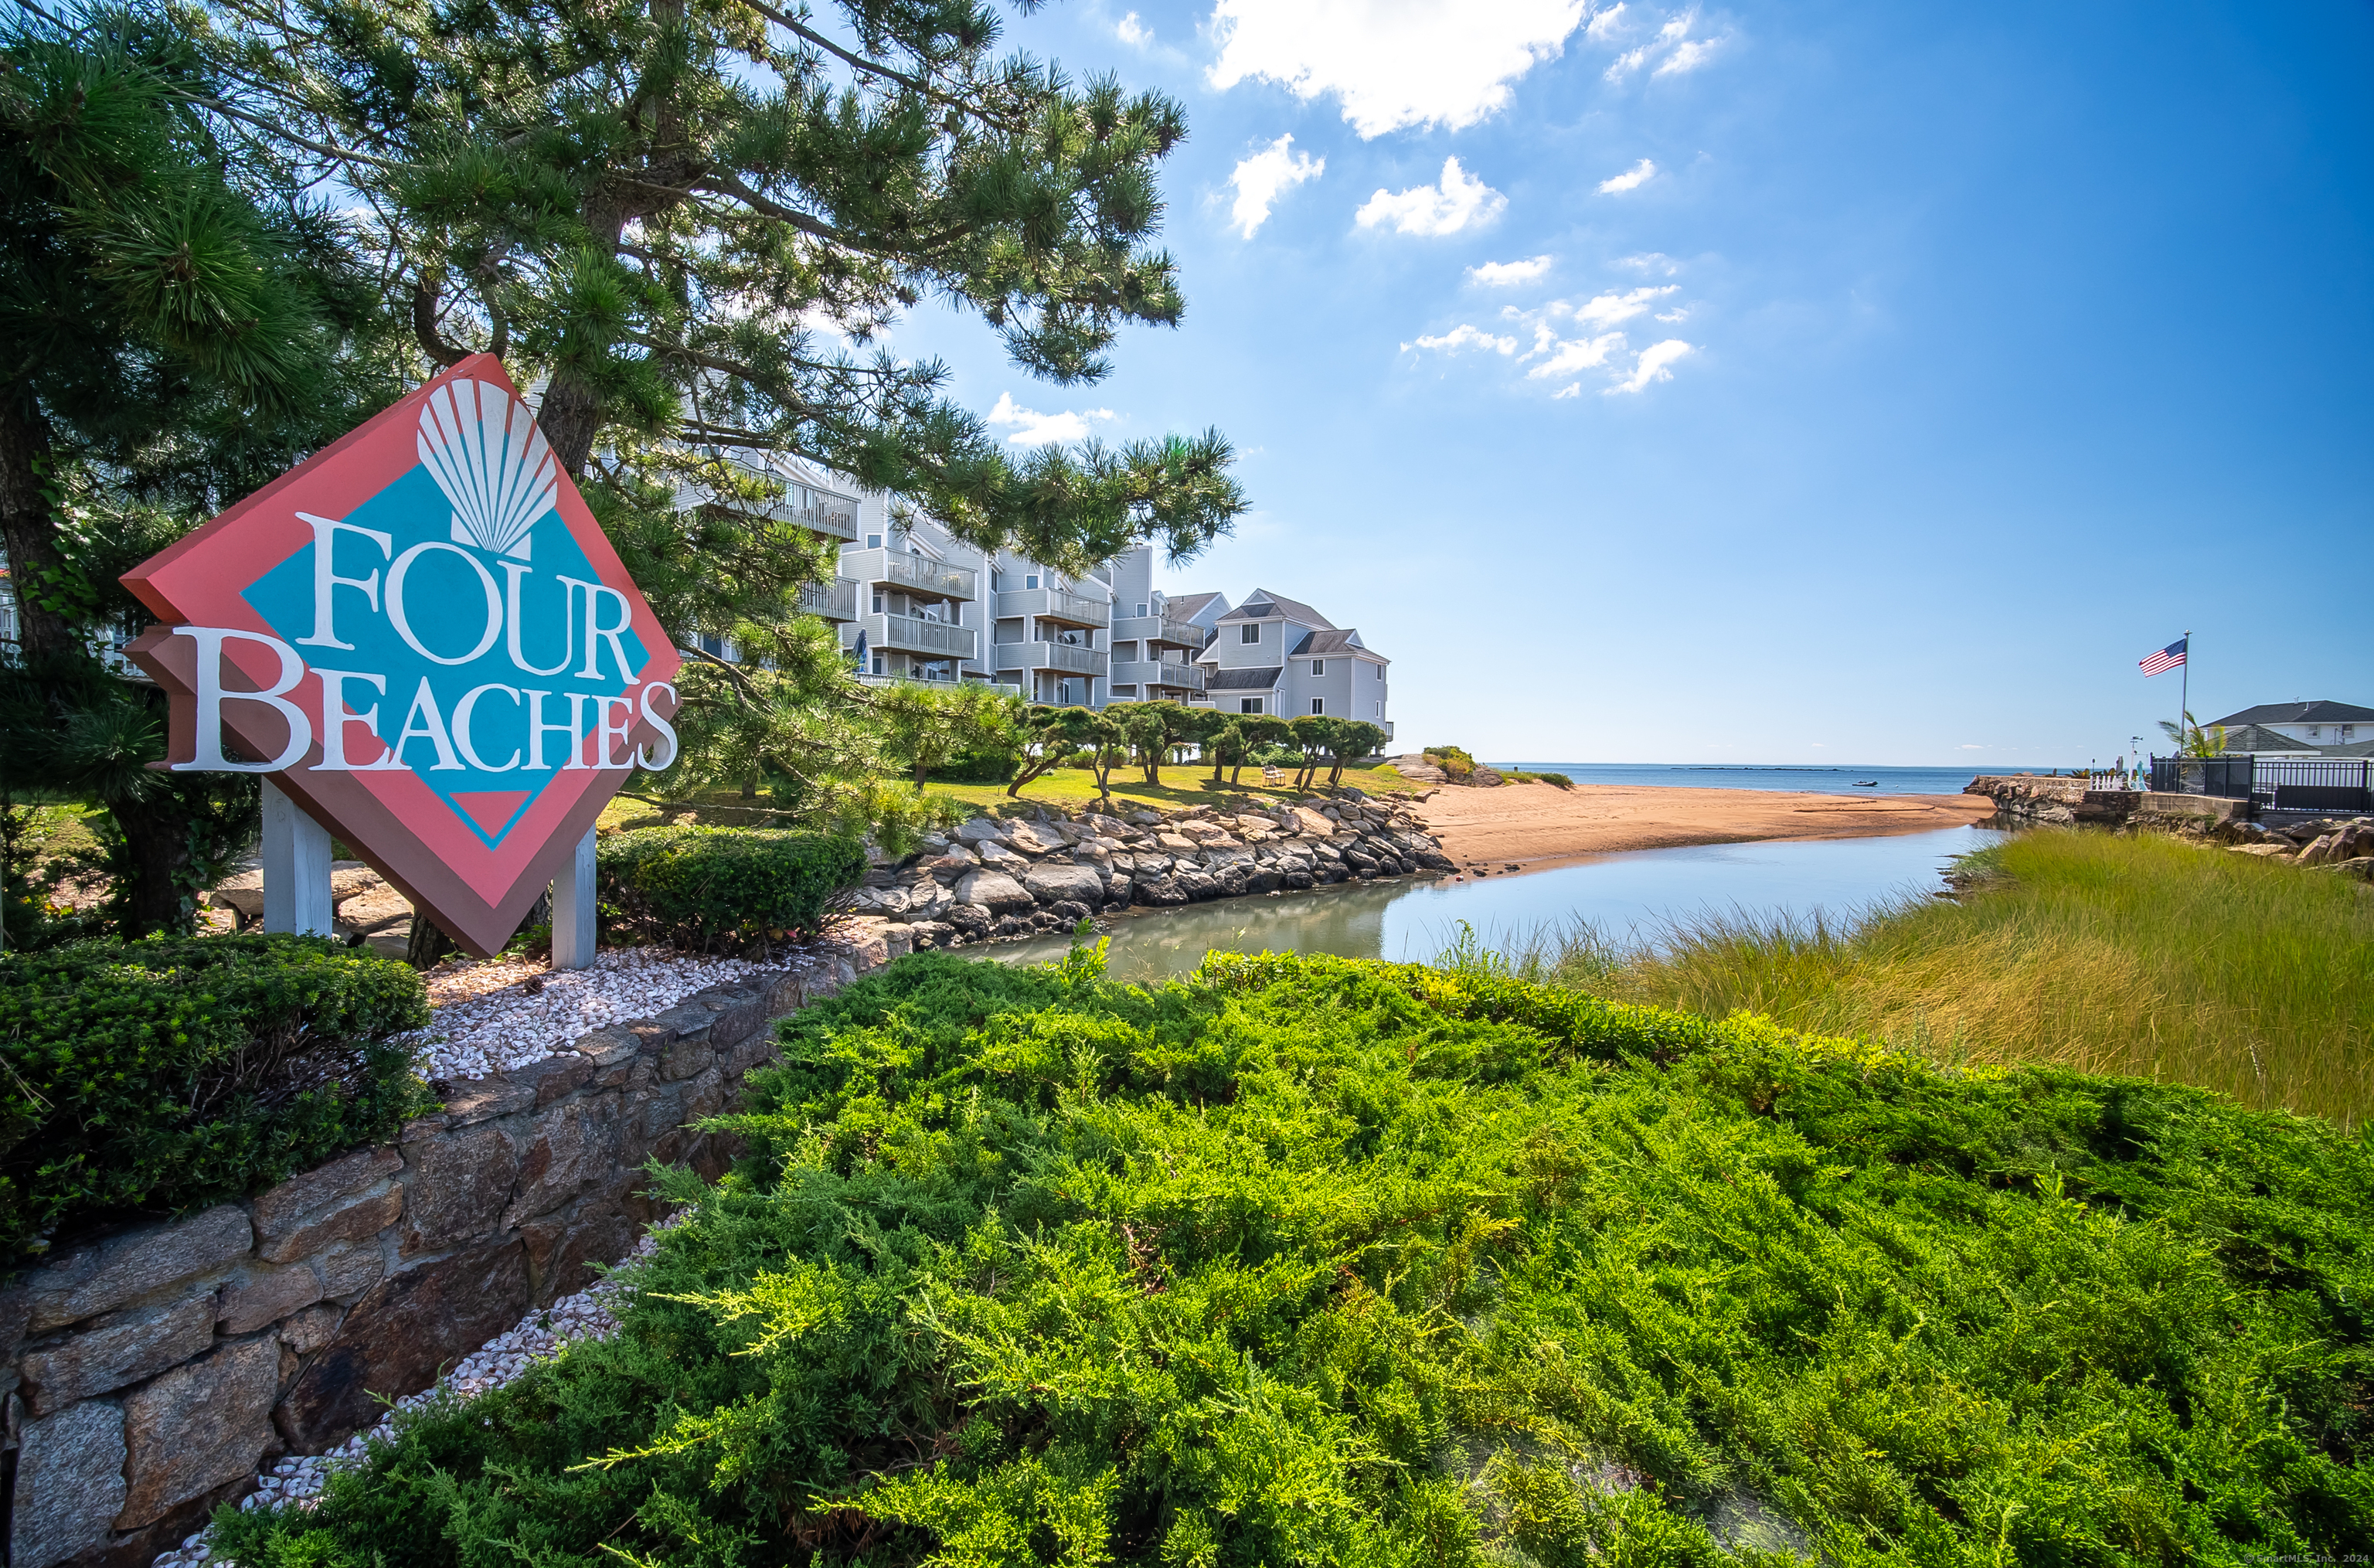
{"x": 875, "y": 68}
{"x": 340, "y": 154}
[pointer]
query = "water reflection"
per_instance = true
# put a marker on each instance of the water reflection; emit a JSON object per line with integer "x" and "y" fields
{"x": 1631, "y": 896}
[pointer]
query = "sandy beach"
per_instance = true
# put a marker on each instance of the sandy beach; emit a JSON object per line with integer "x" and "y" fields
{"x": 1533, "y": 825}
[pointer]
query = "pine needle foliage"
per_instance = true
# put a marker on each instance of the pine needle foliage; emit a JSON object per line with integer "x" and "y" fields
{"x": 1310, "y": 1261}
{"x": 691, "y": 223}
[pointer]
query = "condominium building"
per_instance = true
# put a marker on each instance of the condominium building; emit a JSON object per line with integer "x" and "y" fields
{"x": 913, "y": 602}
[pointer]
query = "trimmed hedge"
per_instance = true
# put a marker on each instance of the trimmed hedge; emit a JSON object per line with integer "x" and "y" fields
{"x": 722, "y": 889}
{"x": 167, "y": 1075}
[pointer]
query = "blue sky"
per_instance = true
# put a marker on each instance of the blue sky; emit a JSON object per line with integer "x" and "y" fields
{"x": 1861, "y": 383}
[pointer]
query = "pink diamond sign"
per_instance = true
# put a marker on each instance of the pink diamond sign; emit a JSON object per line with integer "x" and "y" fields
{"x": 423, "y": 636}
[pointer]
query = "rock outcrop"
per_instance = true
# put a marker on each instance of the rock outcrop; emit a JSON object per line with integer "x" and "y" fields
{"x": 1036, "y": 870}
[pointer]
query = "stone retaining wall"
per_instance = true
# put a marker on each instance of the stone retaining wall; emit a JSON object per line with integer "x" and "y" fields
{"x": 1036, "y": 870}
{"x": 148, "y": 1371}
{"x": 2045, "y": 798}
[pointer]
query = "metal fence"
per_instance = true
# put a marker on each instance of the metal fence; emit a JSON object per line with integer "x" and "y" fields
{"x": 2275, "y": 784}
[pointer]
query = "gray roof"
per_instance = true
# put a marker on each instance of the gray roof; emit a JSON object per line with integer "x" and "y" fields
{"x": 1264, "y": 604}
{"x": 2322, "y": 712}
{"x": 1187, "y": 607}
{"x": 1243, "y": 680}
{"x": 1346, "y": 640}
{"x": 2257, "y": 737}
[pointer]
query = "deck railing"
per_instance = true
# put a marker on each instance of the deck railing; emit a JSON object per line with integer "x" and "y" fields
{"x": 2277, "y": 784}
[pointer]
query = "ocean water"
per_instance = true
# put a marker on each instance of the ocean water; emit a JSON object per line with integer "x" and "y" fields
{"x": 1819, "y": 778}
{"x": 1633, "y": 898}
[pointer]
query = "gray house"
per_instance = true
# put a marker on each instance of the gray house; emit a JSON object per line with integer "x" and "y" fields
{"x": 1273, "y": 654}
{"x": 2322, "y": 728}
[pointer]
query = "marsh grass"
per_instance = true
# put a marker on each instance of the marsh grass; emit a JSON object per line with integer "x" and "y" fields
{"x": 2145, "y": 956}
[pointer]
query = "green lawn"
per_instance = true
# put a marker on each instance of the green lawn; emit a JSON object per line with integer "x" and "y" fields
{"x": 1323, "y": 1262}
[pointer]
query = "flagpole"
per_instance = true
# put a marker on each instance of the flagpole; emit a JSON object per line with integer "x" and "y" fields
{"x": 2184, "y": 697}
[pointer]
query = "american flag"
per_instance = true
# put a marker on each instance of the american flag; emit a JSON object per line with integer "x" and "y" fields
{"x": 2167, "y": 658}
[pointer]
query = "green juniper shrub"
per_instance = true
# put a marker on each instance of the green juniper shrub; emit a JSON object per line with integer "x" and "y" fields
{"x": 722, "y": 889}
{"x": 1313, "y": 1261}
{"x": 162, "y": 1075}
{"x": 1518, "y": 776}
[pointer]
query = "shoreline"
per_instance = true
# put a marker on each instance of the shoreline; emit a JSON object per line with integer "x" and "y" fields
{"x": 1533, "y": 827}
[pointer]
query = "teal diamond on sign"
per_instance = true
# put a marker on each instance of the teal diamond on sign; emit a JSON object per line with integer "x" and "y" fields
{"x": 492, "y": 660}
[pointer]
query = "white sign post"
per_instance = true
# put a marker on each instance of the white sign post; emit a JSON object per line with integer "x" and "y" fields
{"x": 296, "y": 867}
{"x": 572, "y": 908}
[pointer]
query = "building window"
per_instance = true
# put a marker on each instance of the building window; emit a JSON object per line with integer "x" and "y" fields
{"x": 1249, "y": 633}
{"x": 877, "y": 602}
{"x": 1319, "y": 667}
{"x": 1249, "y": 704}
{"x": 1031, "y": 580}
{"x": 1141, "y": 612}
{"x": 880, "y": 664}
{"x": 874, "y": 541}
{"x": 1319, "y": 704}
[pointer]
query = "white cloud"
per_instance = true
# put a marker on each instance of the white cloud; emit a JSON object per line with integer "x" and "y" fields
{"x": 1132, "y": 32}
{"x": 1266, "y": 176}
{"x": 1501, "y": 274}
{"x": 1606, "y": 310}
{"x": 1632, "y": 179}
{"x": 1680, "y": 314}
{"x": 1606, "y": 24}
{"x": 1393, "y": 63}
{"x": 1577, "y": 354}
{"x": 1648, "y": 261}
{"x": 1651, "y": 365}
{"x": 1461, "y": 201}
{"x": 1969, "y": 748}
{"x": 1679, "y": 51}
{"x": 1038, "y": 429}
{"x": 1571, "y": 389}
{"x": 1466, "y": 336}
{"x": 1689, "y": 55}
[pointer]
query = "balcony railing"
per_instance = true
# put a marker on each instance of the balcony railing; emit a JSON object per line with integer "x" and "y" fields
{"x": 824, "y": 519}
{"x": 840, "y": 522}
{"x": 915, "y": 573}
{"x": 1055, "y": 603}
{"x": 836, "y": 600}
{"x": 1159, "y": 629}
{"x": 1050, "y": 656}
{"x": 1159, "y": 672}
{"x": 1009, "y": 687}
{"x": 913, "y": 634}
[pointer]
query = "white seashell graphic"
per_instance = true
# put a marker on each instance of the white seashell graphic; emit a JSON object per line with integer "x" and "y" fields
{"x": 482, "y": 447}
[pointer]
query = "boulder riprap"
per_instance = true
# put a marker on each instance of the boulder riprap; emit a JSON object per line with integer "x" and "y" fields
{"x": 1021, "y": 874}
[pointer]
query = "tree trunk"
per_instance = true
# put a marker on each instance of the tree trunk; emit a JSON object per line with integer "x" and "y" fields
{"x": 28, "y": 529}
{"x": 570, "y": 417}
{"x": 155, "y": 847}
{"x": 428, "y": 942}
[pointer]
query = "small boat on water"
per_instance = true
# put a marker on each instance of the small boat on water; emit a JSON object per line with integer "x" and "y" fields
{"x": 1866, "y": 784}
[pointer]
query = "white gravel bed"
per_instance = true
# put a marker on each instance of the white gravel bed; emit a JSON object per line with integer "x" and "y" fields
{"x": 516, "y": 1025}
{"x": 540, "y": 1336}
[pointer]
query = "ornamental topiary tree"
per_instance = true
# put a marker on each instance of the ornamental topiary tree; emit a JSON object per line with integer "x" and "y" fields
{"x": 1311, "y": 734}
{"x": 1353, "y": 739}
